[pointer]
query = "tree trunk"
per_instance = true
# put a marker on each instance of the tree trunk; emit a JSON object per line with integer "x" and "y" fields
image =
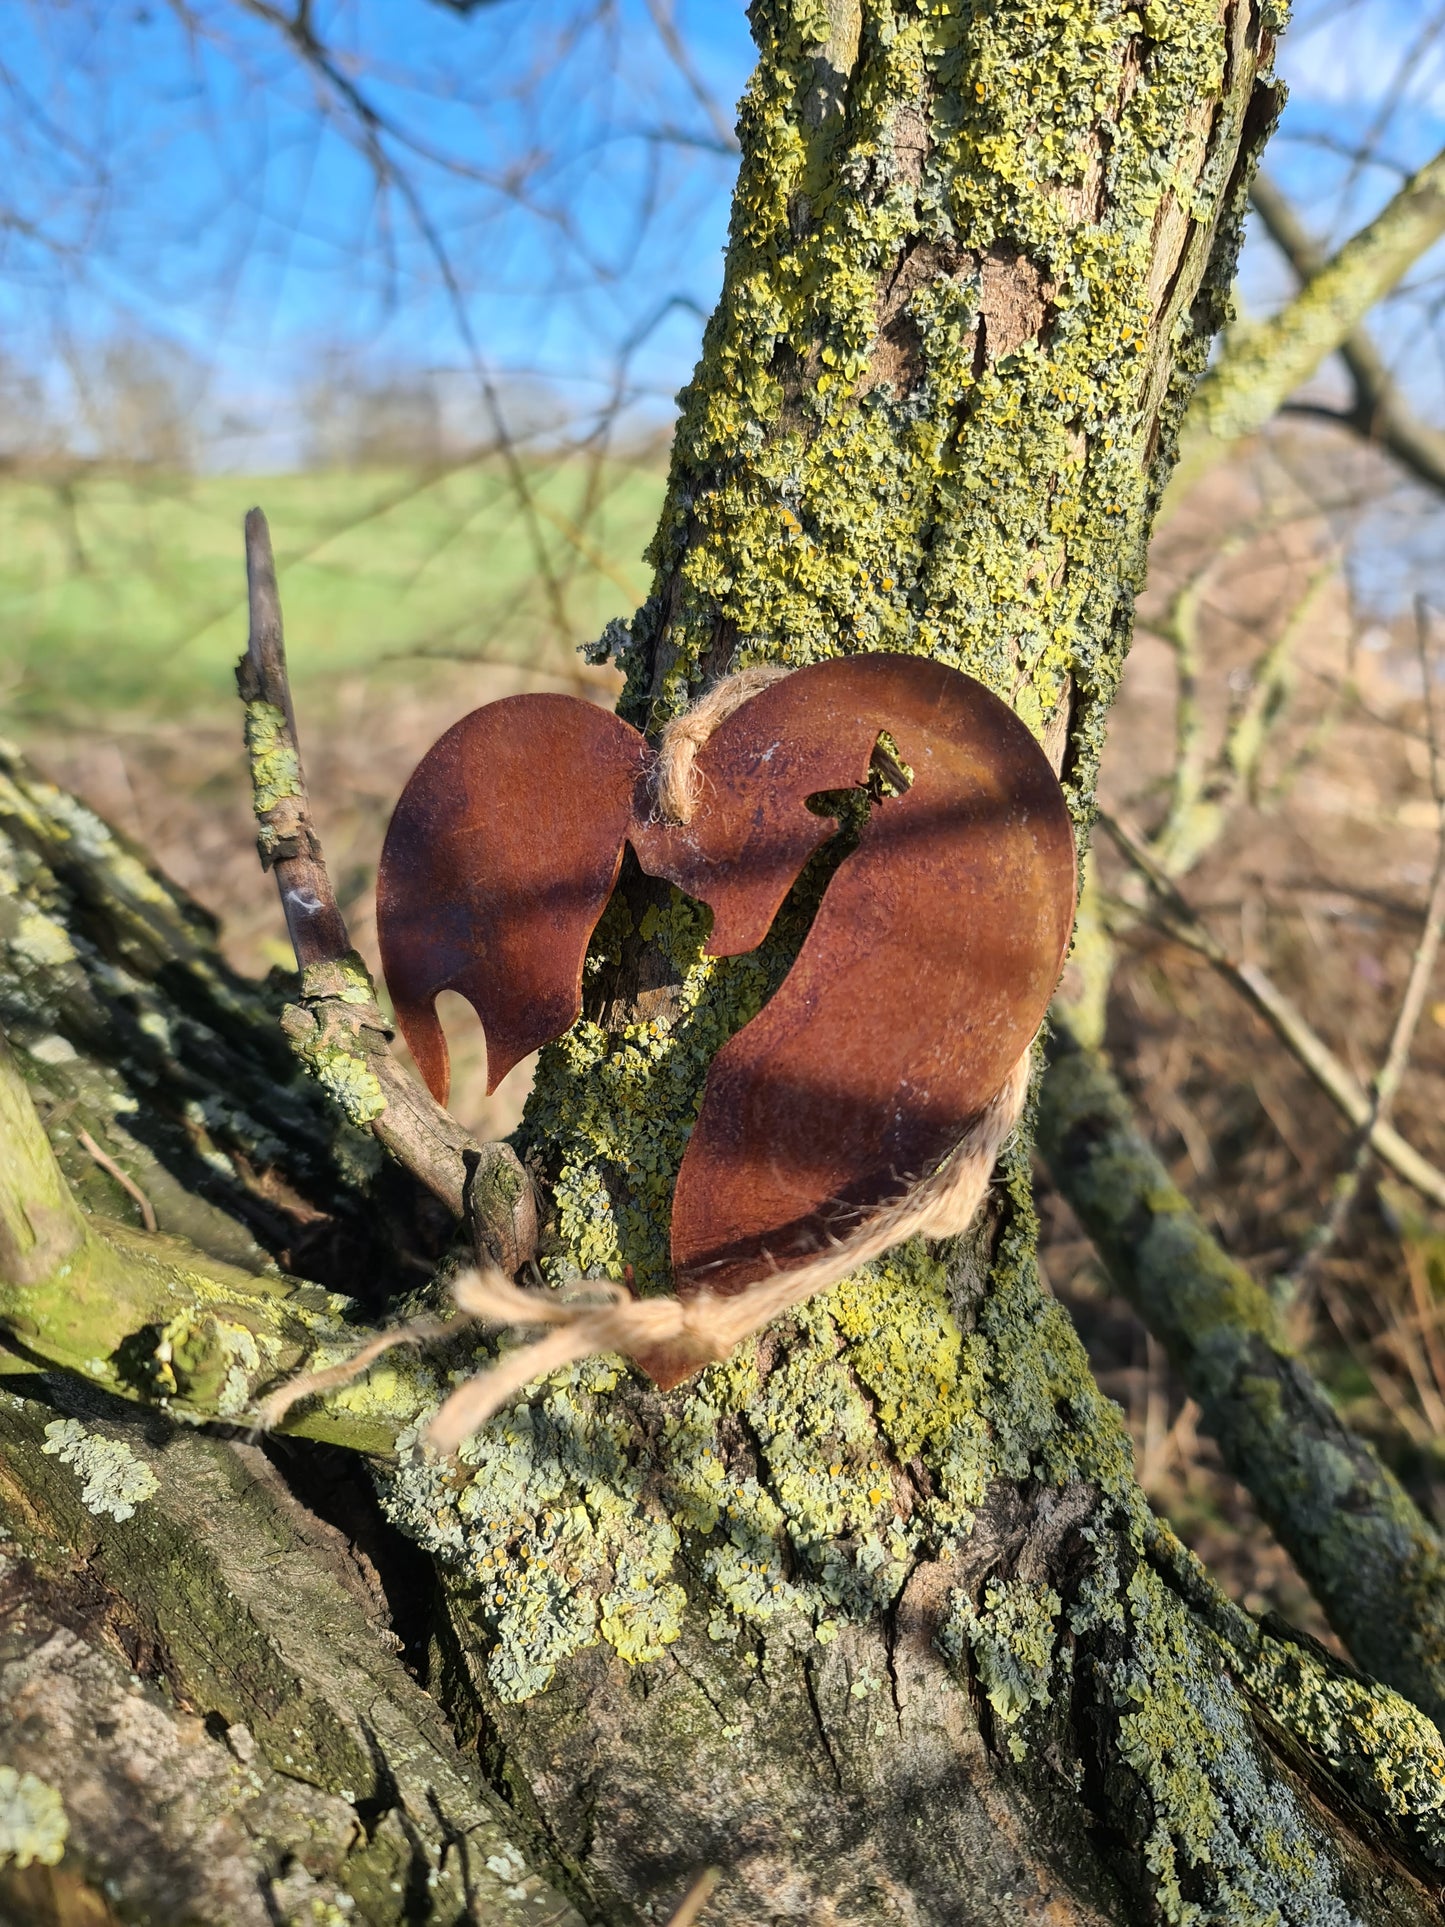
{"x": 873, "y": 1616}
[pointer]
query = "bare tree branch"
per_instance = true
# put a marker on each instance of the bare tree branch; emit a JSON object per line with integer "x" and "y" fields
{"x": 665, "y": 20}
{"x": 1377, "y": 1567}
{"x": 336, "y": 1027}
{"x": 1380, "y": 414}
{"x": 1262, "y": 365}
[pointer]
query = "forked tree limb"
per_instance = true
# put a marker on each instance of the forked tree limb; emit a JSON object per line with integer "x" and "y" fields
{"x": 1380, "y": 413}
{"x": 336, "y": 1027}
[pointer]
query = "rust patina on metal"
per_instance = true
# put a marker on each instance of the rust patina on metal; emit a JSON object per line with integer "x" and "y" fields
{"x": 927, "y": 969}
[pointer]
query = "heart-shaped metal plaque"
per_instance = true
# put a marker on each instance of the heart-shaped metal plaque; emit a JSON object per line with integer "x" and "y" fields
{"x": 928, "y": 967}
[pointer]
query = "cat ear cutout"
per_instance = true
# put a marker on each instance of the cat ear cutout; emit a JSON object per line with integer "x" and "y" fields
{"x": 926, "y": 971}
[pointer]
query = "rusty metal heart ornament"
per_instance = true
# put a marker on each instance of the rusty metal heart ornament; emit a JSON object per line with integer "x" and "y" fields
{"x": 924, "y": 976}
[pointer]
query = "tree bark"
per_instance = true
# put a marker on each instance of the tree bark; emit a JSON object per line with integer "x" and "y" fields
{"x": 872, "y": 1616}
{"x": 205, "y": 1674}
{"x": 1365, "y": 1550}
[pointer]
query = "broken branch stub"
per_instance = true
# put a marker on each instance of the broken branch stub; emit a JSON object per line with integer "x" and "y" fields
{"x": 335, "y": 1026}
{"x": 920, "y": 985}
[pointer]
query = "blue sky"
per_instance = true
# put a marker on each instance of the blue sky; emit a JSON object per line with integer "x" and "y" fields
{"x": 182, "y": 183}
{"x": 187, "y": 186}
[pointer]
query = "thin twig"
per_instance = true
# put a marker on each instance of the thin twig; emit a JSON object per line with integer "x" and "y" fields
{"x": 680, "y": 55}
{"x": 1172, "y": 915}
{"x": 1249, "y": 731}
{"x": 369, "y": 136}
{"x": 288, "y": 841}
{"x": 1180, "y": 630}
{"x": 127, "y": 1183}
{"x": 335, "y": 1027}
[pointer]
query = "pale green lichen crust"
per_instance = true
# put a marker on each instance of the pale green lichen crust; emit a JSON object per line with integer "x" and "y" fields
{"x": 979, "y": 501}
{"x": 213, "y": 1360}
{"x": 326, "y": 1039}
{"x": 328, "y": 1031}
{"x": 1224, "y": 1836}
{"x": 33, "y": 1826}
{"x": 113, "y": 1481}
{"x": 1014, "y": 1645}
{"x": 581, "y": 1510}
{"x": 1383, "y": 1748}
{"x": 275, "y": 766}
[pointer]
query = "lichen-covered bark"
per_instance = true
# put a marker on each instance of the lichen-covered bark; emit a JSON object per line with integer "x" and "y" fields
{"x": 135, "y": 1029}
{"x": 204, "y": 1704}
{"x": 153, "y": 1317}
{"x": 1362, "y": 1546}
{"x": 870, "y": 1613}
{"x": 842, "y": 1732}
{"x": 125, "y": 1025}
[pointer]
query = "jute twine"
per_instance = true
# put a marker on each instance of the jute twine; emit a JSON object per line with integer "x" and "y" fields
{"x": 704, "y": 1327}
{"x": 674, "y": 779}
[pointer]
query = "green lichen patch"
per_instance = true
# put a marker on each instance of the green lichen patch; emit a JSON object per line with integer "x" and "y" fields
{"x": 345, "y": 978}
{"x": 212, "y": 1361}
{"x": 1224, "y": 1837}
{"x": 1384, "y": 1749}
{"x": 872, "y": 1428}
{"x": 350, "y": 1081}
{"x": 326, "y": 1039}
{"x": 275, "y": 766}
{"x": 545, "y": 1513}
{"x": 1012, "y": 1640}
{"x": 113, "y": 1480}
{"x": 612, "y": 1110}
{"x": 33, "y": 1825}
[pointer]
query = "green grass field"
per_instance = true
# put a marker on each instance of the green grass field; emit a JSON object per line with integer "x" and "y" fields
{"x": 126, "y": 595}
